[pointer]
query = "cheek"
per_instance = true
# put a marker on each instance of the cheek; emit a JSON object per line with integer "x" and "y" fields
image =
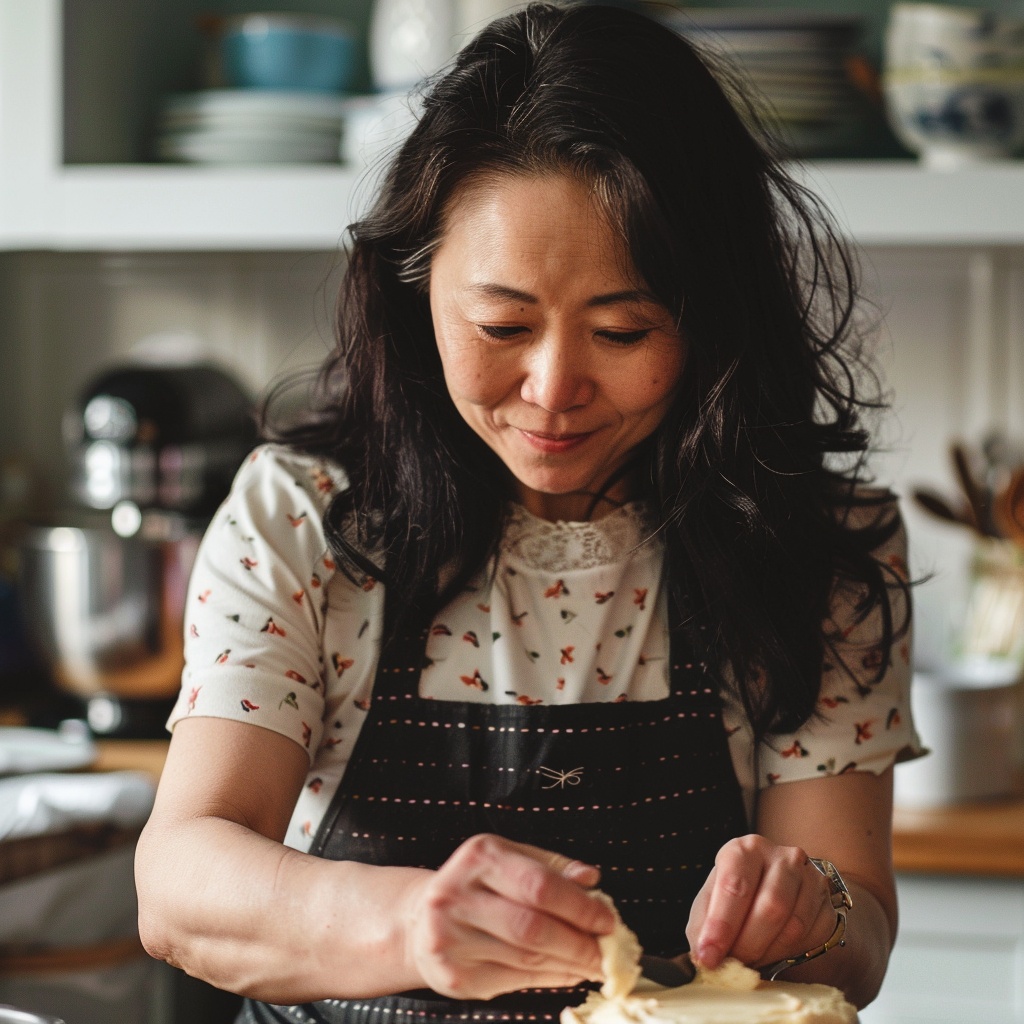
{"x": 469, "y": 375}
{"x": 459, "y": 369}
{"x": 657, "y": 385}
{"x": 457, "y": 361}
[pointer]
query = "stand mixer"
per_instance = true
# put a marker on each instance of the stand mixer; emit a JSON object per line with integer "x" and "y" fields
{"x": 153, "y": 450}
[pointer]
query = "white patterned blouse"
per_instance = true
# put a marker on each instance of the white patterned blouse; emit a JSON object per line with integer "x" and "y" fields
{"x": 277, "y": 637}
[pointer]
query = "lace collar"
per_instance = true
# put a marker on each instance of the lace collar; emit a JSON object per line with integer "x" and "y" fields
{"x": 562, "y": 547}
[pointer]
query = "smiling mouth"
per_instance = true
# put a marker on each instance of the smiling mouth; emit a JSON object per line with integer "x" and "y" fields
{"x": 554, "y": 442}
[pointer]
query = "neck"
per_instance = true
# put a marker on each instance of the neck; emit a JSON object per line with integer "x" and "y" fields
{"x": 576, "y": 507}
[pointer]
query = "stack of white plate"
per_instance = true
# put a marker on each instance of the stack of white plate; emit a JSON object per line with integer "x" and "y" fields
{"x": 798, "y": 63}
{"x": 375, "y": 126}
{"x": 250, "y": 126}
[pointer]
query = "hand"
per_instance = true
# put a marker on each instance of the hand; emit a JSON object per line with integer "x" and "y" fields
{"x": 499, "y": 916}
{"x": 760, "y": 903}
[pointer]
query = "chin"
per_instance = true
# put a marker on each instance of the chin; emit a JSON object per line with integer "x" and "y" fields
{"x": 555, "y": 488}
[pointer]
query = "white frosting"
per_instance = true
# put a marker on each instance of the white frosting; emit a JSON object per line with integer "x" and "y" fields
{"x": 772, "y": 1002}
{"x": 729, "y": 994}
{"x": 620, "y": 955}
{"x": 730, "y": 973}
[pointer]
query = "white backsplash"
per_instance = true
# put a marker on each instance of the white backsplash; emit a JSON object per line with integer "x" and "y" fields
{"x": 68, "y": 316}
{"x": 951, "y": 346}
{"x": 952, "y": 350}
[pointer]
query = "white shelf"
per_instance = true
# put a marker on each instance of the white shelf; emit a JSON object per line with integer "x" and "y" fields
{"x": 154, "y": 207}
{"x": 160, "y": 208}
{"x": 890, "y": 202}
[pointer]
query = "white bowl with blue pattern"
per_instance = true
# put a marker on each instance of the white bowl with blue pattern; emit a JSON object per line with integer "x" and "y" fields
{"x": 940, "y": 36}
{"x": 952, "y": 119}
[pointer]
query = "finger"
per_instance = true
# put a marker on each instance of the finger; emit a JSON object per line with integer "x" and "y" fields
{"x": 779, "y": 912}
{"x": 533, "y": 878}
{"x": 577, "y": 871}
{"x": 813, "y": 918}
{"x": 490, "y": 980}
{"x": 699, "y": 911}
{"x": 738, "y": 869}
{"x": 527, "y": 938}
{"x": 470, "y": 964}
{"x": 515, "y": 981}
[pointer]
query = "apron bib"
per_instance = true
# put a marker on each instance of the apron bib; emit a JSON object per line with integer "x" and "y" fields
{"x": 644, "y": 790}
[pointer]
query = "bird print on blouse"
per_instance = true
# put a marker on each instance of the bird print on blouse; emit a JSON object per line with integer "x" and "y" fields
{"x": 854, "y": 682}
{"x": 566, "y": 656}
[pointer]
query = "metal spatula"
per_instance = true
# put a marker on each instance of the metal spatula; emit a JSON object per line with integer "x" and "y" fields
{"x": 670, "y": 973}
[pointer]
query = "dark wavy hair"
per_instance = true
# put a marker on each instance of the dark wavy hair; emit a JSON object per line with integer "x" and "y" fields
{"x": 754, "y": 469}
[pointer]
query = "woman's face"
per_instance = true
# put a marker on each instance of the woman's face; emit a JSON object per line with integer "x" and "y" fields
{"x": 553, "y": 350}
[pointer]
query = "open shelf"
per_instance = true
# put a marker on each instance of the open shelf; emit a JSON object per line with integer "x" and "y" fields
{"x": 48, "y": 203}
{"x": 896, "y": 202}
{"x": 158, "y": 208}
{"x": 167, "y": 207}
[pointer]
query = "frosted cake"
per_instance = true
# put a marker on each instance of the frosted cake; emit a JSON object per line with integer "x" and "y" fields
{"x": 730, "y": 994}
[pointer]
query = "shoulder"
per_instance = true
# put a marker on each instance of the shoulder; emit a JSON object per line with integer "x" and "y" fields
{"x": 273, "y": 516}
{"x": 875, "y": 532}
{"x": 874, "y": 514}
{"x": 866, "y": 506}
{"x": 274, "y": 476}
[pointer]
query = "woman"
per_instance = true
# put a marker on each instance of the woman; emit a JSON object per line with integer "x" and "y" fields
{"x": 572, "y": 579}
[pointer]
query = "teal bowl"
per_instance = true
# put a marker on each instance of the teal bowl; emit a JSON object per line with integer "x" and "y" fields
{"x": 288, "y": 52}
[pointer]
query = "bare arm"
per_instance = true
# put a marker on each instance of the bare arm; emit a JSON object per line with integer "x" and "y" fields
{"x": 763, "y": 902}
{"x": 222, "y": 898}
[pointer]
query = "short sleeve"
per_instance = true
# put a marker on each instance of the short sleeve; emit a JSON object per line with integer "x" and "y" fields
{"x": 863, "y": 718}
{"x": 256, "y": 600}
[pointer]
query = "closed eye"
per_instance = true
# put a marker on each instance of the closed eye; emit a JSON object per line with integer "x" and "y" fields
{"x": 500, "y": 333}
{"x": 624, "y": 337}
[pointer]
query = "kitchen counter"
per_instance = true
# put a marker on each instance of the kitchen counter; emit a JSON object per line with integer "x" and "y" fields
{"x": 971, "y": 839}
{"x": 136, "y": 755}
{"x": 967, "y": 839}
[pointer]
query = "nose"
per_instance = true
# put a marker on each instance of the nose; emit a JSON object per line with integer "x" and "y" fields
{"x": 558, "y": 375}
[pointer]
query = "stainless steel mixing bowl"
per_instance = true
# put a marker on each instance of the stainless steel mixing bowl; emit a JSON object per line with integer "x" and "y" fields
{"x": 106, "y": 611}
{"x": 12, "y": 1015}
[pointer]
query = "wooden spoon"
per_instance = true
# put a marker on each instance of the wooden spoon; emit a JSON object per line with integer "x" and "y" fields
{"x": 974, "y": 489}
{"x": 936, "y": 505}
{"x": 1008, "y": 508}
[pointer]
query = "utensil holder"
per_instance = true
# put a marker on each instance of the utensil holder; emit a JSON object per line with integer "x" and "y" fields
{"x": 973, "y": 731}
{"x": 992, "y": 634}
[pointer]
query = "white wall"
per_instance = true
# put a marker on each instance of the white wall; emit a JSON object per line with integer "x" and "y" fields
{"x": 65, "y": 317}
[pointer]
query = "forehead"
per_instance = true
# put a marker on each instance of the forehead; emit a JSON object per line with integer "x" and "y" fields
{"x": 494, "y": 216}
{"x": 494, "y": 186}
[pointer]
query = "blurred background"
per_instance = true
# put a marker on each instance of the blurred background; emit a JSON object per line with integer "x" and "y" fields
{"x": 175, "y": 181}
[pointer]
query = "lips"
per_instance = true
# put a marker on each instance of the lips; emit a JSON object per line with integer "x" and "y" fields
{"x": 554, "y": 443}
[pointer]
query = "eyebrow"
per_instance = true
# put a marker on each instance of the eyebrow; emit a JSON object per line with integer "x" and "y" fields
{"x": 500, "y": 291}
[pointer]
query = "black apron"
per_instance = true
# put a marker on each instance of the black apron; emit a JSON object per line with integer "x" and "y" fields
{"x": 645, "y": 790}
